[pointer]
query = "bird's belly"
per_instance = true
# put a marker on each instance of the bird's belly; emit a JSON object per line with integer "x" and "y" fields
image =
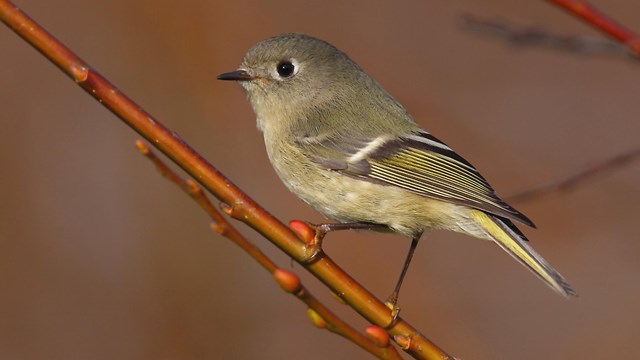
{"x": 349, "y": 199}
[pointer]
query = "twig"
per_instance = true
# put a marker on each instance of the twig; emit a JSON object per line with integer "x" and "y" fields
{"x": 579, "y": 178}
{"x": 220, "y": 225}
{"x": 623, "y": 41}
{"x": 240, "y": 206}
{"x": 536, "y": 36}
{"x": 320, "y": 315}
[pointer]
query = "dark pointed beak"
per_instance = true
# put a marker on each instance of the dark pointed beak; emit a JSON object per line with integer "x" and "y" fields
{"x": 238, "y": 75}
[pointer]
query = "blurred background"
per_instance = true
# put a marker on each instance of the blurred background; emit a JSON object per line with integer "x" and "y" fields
{"x": 101, "y": 258}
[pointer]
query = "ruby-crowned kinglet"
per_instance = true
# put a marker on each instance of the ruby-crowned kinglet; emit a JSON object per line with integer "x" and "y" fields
{"x": 343, "y": 145}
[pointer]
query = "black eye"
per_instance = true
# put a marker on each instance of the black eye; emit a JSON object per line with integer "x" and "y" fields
{"x": 285, "y": 68}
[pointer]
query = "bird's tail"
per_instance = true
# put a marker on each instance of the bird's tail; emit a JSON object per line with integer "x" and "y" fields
{"x": 511, "y": 240}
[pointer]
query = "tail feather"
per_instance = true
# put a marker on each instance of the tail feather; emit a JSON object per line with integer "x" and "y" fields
{"x": 511, "y": 240}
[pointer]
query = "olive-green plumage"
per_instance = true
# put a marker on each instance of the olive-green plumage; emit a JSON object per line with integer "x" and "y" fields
{"x": 347, "y": 148}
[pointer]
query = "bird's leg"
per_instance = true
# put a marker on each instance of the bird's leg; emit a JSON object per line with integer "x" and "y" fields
{"x": 314, "y": 249}
{"x": 393, "y": 298}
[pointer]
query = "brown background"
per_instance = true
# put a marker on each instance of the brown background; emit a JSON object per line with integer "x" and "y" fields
{"x": 100, "y": 258}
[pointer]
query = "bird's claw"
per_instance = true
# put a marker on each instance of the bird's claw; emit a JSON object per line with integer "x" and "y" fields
{"x": 395, "y": 311}
{"x": 313, "y": 249}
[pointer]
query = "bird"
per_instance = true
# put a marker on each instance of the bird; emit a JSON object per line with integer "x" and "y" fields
{"x": 346, "y": 147}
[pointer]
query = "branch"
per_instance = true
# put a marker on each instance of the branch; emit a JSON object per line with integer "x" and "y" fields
{"x": 536, "y": 36}
{"x": 239, "y": 205}
{"x": 570, "y": 182}
{"x": 376, "y": 342}
{"x": 623, "y": 41}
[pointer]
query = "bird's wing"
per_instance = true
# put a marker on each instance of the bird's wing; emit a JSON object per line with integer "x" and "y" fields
{"x": 418, "y": 162}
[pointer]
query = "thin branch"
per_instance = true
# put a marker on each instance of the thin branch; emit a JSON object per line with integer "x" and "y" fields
{"x": 536, "y": 36}
{"x": 220, "y": 225}
{"x": 623, "y": 40}
{"x": 570, "y": 182}
{"x": 287, "y": 280}
{"x": 240, "y": 206}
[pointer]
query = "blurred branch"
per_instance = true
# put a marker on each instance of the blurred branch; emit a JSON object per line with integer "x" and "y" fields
{"x": 579, "y": 178}
{"x": 622, "y": 42}
{"x": 320, "y": 315}
{"x": 238, "y": 204}
{"x": 536, "y": 36}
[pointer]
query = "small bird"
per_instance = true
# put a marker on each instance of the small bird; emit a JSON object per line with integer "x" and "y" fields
{"x": 347, "y": 148}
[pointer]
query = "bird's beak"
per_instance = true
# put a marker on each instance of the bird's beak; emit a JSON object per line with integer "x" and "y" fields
{"x": 238, "y": 75}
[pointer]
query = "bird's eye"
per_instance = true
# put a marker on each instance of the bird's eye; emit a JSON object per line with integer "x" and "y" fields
{"x": 285, "y": 69}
